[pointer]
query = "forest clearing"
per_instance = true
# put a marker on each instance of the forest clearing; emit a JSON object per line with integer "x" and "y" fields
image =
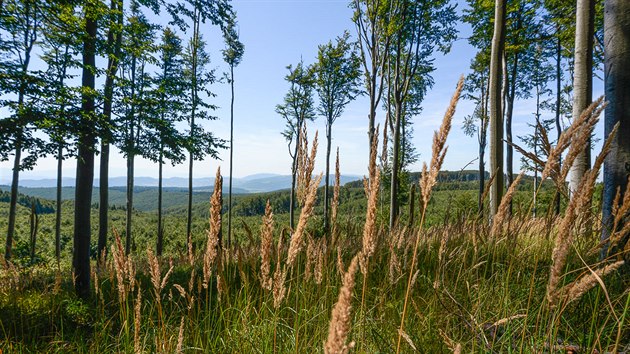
{"x": 437, "y": 261}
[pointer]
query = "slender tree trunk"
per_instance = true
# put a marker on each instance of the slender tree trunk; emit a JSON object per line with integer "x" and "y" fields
{"x": 294, "y": 168}
{"x": 229, "y": 233}
{"x": 58, "y": 203}
{"x": 160, "y": 231}
{"x": 617, "y": 86}
{"x": 85, "y": 164}
{"x": 509, "y": 113}
{"x": 482, "y": 178}
{"x": 192, "y": 126}
{"x": 13, "y": 201}
{"x": 327, "y": 185}
{"x": 496, "y": 116}
{"x": 112, "y": 68}
{"x": 393, "y": 198}
{"x": 582, "y": 82}
{"x": 558, "y": 197}
{"x": 131, "y": 154}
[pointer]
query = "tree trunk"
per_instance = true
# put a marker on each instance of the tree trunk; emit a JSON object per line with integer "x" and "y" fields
{"x": 160, "y": 231}
{"x": 327, "y": 185}
{"x": 112, "y": 68}
{"x": 496, "y": 116}
{"x": 294, "y": 176}
{"x": 13, "y": 202}
{"x": 582, "y": 82}
{"x": 509, "y": 113}
{"x": 393, "y": 198}
{"x": 557, "y": 197}
{"x": 58, "y": 204}
{"x": 192, "y": 126}
{"x": 617, "y": 86}
{"x": 131, "y": 154}
{"x": 482, "y": 178}
{"x": 85, "y": 164}
{"x": 229, "y": 233}
{"x": 34, "y": 226}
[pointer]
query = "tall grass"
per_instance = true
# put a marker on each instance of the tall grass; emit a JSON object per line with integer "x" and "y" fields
{"x": 521, "y": 284}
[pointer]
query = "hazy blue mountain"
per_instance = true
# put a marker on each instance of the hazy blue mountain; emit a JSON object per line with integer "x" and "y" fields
{"x": 261, "y": 182}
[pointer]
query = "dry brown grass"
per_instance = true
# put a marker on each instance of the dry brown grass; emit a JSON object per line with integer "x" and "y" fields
{"x": 341, "y": 320}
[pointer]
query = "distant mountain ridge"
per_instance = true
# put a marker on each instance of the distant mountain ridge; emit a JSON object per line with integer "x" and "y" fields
{"x": 257, "y": 183}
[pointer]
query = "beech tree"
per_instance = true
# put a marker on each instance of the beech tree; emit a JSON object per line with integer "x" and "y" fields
{"x": 113, "y": 50}
{"x": 232, "y": 55}
{"x": 337, "y": 74}
{"x": 168, "y": 102}
{"x": 496, "y": 108}
{"x": 187, "y": 14}
{"x": 20, "y": 23}
{"x": 297, "y": 108}
{"x": 417, "y": 30}
{"x": 617, "y": 86}
{"x": 138, "y": 51}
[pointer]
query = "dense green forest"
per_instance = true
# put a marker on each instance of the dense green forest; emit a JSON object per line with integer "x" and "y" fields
{"x": 485, "y": 259}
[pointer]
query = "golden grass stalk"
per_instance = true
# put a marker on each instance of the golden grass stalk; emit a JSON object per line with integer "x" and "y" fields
{"x": 335, "y": 200}
{"x": 552, "y": 167}
{"x": 577, "y": 205}
{"x": 136, "y": 323}
{"x": 340, "y": 321}
{"x": 180, "y": 337}
{"x": 122, "y": 265}
{"x": 297, "y": 239}
{"x": 427, "y": 181}
{"x": 504, "y": 208}
{"x": 580, "y": 286}
{"x": 369, "y": 228}
{"x": 214, "y": 233}
{"x": 279, "y": 290}
{"x": 319, "y": 264}
{"x": 266, "y": 245}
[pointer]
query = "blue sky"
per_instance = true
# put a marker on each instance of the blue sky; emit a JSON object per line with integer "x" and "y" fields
{"x": 280, "y": 32}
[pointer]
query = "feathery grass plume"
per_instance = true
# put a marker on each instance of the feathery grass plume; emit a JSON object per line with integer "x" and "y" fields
{"x": 297, "y": 239}
{"x": 319, "y": 264}
{"x": 266, "y": 245}
{"x": 180, "y": 337}
{"x": 121, "y": 266}
{"x": 340, "y": 321}
{"x": 340, "y": 267}
{"x": 552, "y": 167}
{"x": 369, "y": 228}
{"x": 580, "y": 286}
{"x": 213, "y": 246}
{"x": 504, "y": 208}
{"x": 311, "y": 256}
{"x": 335, "y": 200}
{"x": 564, "y": 239}
{"x": 136, "y": 323}
{"x": 279, "y": 291}
{"x": 306, "y": 167}
{"x": 428, "y": 180}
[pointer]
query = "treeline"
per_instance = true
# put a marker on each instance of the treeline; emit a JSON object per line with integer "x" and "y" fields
{"x": 156, "y": 89}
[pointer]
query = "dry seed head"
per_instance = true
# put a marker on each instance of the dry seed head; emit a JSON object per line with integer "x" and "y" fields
{"x": 297, "y": 239}
{"x": 504, "y": 208}
{"x": 335, "y": 200}
{"x": 340, "y": 321}
{"x": 266, "y": 245}
{"x": 136, "y": 323}
{"x": 213, "y": 234}
{"x": 587, "y": 282}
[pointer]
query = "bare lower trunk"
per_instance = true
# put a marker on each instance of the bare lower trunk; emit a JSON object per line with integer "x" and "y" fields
{"x": 557, "y": 198}
{"x": 496, "y": 116}
{"x": 582, "y": 82}
{"x": 229, "y": 233}
{"x": 326, "y": 186}
{"x": 160, "y": 231}
{"x": 58, "y": 204}
{"x": 85, "y": 165}
{"x": 13, "y": 202}
{"x": 130, "y": 165}
{"x": 292, "y": 200}
{"x": 393, "y": 198}
{"x": 617, "y": 78}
